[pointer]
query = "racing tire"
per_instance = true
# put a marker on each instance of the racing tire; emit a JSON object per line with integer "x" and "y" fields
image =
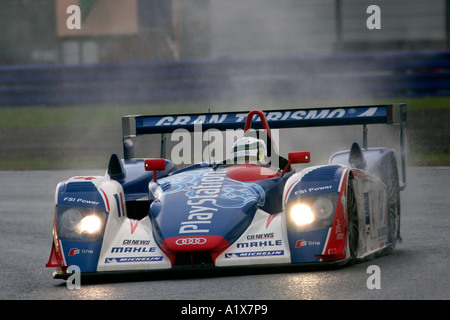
{"x": 352, "y": 224}
{"x": 393, "y": 203}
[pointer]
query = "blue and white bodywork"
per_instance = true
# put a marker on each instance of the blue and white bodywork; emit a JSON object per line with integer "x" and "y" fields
{"x": 146, "y": 214}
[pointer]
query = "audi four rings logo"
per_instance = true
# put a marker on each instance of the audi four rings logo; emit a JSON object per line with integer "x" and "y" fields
{"x": 187, "y": 241}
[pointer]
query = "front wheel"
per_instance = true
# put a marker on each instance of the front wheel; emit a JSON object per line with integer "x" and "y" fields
{"x": 352, "y": 223}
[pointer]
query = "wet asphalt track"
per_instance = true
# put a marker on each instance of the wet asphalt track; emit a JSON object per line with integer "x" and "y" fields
{"x": 417, "y": 269}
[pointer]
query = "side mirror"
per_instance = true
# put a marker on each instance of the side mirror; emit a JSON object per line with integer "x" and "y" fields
{"x": 154, "y": 165}
{"x": 297, "y": 157}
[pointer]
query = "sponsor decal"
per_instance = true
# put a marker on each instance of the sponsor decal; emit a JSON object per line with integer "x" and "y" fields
{"x": 200, "y": 199}
{"x": 206, "y": 192}
{"x": 273, "y": 116}
{"x": 260, "y": 236}
{"x": 203, "y": 193}
{"x": 338, "y": 230}
{"x": 133, "y": 259}
{"x": 313, "y": 189}
{"x": 75, "y": 251}
{"x": 190, "y": 241}
{"x": 304, "y": 243}
{"x": 128, "y": 242}
{"x": 254, "y": 254}
{"x": 80, "y": 201}
{"x": 263, "y": 243}
{"x": 132, "y": 249}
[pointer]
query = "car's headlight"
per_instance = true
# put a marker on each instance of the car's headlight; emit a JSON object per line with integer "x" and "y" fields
{"x": 70, "y": 219}
{"x": 314, "y": 212}
{"x": 90, "y": 224}
{"x": 80, "y": 223}
{"x": 323, "y": 208}
{"x": 301, "y": 214}
{"x": 68, "y": 222}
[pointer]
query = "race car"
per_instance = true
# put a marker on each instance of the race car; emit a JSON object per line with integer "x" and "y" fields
{"x": 252, "y": 208}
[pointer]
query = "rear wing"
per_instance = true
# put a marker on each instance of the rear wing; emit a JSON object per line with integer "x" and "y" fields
{"x": 390, "y": 114}
{"x": 288, "y": 118}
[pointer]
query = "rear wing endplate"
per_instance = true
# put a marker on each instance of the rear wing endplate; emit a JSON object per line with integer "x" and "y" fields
{"x": 390, "y": 114}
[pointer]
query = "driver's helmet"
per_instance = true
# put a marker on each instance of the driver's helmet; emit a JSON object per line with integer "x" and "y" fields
{"x": 249, "y": 150}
